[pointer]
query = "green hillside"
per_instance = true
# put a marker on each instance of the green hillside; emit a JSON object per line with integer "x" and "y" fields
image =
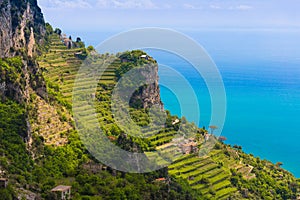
{"x": 55, "y": 154}
{"x": 213, "y": 176}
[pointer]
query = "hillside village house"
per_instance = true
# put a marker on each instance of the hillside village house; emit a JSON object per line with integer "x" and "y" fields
{"x": 63, "y": 191}
{"x": 145, "y": 57}
{"x": 186, "y": 146}
{"x": 3, "y": 182}
{"x": 190, "y": 147}
{"x": 175, "y": 122}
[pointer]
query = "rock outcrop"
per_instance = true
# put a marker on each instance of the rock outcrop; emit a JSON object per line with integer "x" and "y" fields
{"x": 21, "y": 26}
{"x": 139, "y": 72}
{"x": 149, "y": 94}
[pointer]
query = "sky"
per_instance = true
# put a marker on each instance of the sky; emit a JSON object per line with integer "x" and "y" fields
{"x": 97, "y": 15}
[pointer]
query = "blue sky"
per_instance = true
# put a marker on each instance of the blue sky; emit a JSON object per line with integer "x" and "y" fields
{"x": 98, "y": 15}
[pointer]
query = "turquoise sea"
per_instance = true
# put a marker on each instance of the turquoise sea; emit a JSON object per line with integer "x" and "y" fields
{"x": 261, "y": 74}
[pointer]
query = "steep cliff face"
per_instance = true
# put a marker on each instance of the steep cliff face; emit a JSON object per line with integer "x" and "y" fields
{"x": 149, "y": 94}
{"x": 21, "y": 26}
{"x": 145, "y": 71}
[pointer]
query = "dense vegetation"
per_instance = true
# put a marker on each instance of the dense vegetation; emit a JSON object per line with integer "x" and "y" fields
{"x": 64, "y": 165}
{"x": 38, "y": 166}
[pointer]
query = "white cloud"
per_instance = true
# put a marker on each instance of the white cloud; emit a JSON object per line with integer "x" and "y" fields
{"x": 235, "y": 7}
{"x": 64, "y": 4}
{"x": 216, "y": 7}
{"x": 126, "y": 4}
{"x": 243, "y": 7}
{"x": 101, "y": 4}
{"x": 190, "y": 6}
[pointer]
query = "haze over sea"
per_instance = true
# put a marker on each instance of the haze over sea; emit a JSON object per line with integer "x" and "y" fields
{"x": 261, "y": 73}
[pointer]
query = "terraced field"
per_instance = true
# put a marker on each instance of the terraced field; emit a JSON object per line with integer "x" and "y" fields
{"x": 60, "y": 66}
{"x": 203, "y": 174}
{"x": 51, "y": 123}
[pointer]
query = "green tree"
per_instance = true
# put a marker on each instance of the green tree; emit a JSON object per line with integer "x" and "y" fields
{"x": 78, "y": 39}
{"x": 212, "y": 128}
{"x": 49, "y": 29}
{"x": 57, "y": 31}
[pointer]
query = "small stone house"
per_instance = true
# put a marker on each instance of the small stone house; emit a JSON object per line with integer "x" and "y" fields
{"x": 160, "y": 179}
{"x": 63, "y": 191}
{"x": 68, "y": 43}
{"x": 189, "y": 147}
{"x": 145, "y": 57}
{"x": 176, "y": 121}
{"x": 206, "y": 137}
{"x": 3, "y": 182}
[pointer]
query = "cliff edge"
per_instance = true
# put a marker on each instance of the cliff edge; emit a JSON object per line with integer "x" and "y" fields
{"x": 21, "y": 27}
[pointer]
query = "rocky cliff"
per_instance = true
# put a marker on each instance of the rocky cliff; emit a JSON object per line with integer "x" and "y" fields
{"x": 22, "y": 29}
{"x": 149, "y": 94}
{"x": 21, "y": 26}
{"x": 145, "y": 71}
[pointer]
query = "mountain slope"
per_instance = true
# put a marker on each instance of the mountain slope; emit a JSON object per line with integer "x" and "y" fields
{"x": 40, "y": 147}
{"x": 225, "y": 172}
